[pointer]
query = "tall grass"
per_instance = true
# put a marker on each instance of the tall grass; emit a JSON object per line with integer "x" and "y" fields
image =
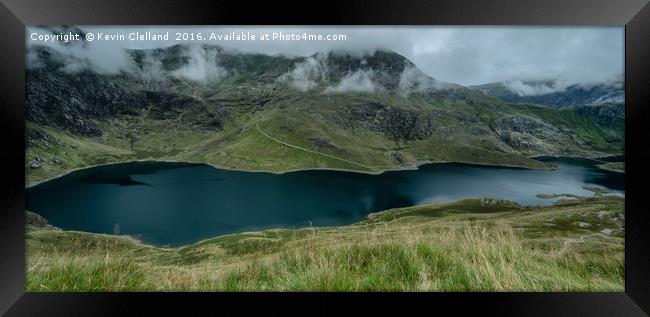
{"x": 474, "y": 259}
{"x": 464, "y": 258}
{"x": 88, "y": 274}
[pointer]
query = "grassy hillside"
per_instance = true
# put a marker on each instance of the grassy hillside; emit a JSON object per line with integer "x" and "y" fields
{"x": 359, "y": 132}
{"x": 480, "y": 245}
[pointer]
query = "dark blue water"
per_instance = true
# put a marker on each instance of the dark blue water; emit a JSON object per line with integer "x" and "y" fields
{"x": 175, "y": 203}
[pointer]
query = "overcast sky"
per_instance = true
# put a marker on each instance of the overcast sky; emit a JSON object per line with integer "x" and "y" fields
{"x": 464, "y": 55}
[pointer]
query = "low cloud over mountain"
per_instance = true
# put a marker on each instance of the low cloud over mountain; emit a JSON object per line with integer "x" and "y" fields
{"x": 556, "y": 93}
{"x": 464, "y": 55}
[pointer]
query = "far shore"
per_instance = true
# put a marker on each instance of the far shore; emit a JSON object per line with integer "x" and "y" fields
{"x": 414, "y": 166}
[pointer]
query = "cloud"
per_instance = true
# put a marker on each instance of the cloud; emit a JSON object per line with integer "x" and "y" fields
{"x": 468, "y": 55}
{"x": 100, "y": 57}
{"x": 571, "y": 55}
{"x": 414, "y": 80}
{"x": 534, "y": 89}
{"x": 358, "y": 81}
{"x": 151, "y": 72}
{"x": 305, "y": 75}
{"x": 202, "y": 64}
{"x": 113, "y": 58}
{"x": 33, "y": 61}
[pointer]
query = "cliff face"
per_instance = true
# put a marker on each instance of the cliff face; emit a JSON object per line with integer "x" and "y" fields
{"x": 73, "y": 102}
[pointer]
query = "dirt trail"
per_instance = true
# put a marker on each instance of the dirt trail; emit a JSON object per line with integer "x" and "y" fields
{"x": 310, "y": 151}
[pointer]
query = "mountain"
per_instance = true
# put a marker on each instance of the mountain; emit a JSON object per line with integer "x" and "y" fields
{"x": 552, "y": 94}
{"x": 367, "y": 112}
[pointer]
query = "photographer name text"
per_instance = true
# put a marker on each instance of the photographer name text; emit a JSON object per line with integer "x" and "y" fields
{"x": 183, "y": 36}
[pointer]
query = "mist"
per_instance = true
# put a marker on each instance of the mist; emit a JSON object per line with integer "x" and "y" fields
{"x": 305, "y": 75}
{"x": 465, "y": 55}
{"x": 202, "y": 66}
{"x": 358, "y": 81}
{"x": 99, "y": 57}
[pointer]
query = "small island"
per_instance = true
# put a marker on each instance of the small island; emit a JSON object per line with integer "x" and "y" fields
{"x": 613, "y": 166}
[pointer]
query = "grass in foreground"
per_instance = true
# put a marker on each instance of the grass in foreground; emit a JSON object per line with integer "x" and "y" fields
{"x": 575, "y": 245}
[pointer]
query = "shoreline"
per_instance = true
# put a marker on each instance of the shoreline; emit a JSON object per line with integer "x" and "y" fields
{"x": 591, "y": 158}
{"x": 412, "y": 167}
{"x": 137, "y": 241}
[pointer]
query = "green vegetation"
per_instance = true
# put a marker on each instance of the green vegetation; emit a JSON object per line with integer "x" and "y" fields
{"x": 475, "y": 244}
{"x": 59, "y": 152}
{"x": 280, "y": 139}
{"x": 605, "y": 137}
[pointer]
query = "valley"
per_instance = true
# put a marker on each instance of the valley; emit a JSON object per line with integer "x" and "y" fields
{"x": 345, "y": 141}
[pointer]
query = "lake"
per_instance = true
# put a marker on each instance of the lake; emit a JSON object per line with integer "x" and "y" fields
{"x": 173, "y": 204}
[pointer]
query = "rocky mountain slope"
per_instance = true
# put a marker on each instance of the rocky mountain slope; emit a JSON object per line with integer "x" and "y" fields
{"x": 367, "y": 112}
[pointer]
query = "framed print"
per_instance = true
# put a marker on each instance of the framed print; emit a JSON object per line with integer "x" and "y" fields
{"x": 422, "y": 154}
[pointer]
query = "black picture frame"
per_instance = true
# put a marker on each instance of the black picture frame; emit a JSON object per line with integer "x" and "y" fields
{"x": 634, "y": 14}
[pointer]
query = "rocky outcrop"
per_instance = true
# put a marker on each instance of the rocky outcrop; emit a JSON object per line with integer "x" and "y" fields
{"x": 78, "y": 101}
{"x": 75, "y": 101}
{"x": 396, "y": 123}
{"x": 403, "y": 124}
{"x": 35, "y": 220}
{"x": 528, "y": 133}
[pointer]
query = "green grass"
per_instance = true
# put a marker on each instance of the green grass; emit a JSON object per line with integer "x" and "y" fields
{"x": 476, "y": 260}
{"x": 112, "y": 275}
{"x": 255, "y": 151}
{"x": 72, "y": 152}
{"x": 467, "y": 245}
